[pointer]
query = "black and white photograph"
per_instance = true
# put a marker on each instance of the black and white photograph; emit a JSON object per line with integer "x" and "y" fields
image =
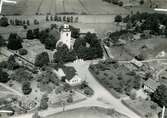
{"x": 83, "y": 58}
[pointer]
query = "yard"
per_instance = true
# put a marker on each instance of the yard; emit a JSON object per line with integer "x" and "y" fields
{"x": 115, "y": 77}
{"x": 144, "y": 108}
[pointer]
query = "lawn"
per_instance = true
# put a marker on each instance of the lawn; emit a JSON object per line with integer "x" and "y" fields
{"x": 149, "y": 48}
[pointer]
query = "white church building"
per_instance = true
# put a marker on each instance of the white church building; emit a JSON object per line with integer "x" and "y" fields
{"x": 65, "y": 37}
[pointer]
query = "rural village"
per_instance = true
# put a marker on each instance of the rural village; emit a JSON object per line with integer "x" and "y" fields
{"x": 83, "y": 58}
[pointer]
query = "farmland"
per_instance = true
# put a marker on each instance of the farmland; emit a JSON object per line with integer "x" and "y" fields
{"x": 32, "y": 7}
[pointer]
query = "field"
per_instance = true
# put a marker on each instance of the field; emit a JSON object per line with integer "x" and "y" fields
{"x": 150, "y": 48}
{"x": 31, "y": 7}
{"x": 92, "y": 112}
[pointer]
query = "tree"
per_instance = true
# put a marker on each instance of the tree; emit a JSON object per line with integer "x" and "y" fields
{"x": 43, "y": 103}
{"x": 23, "y": 51}
{"x": 36, "y": 33}
{"x": 118, "y": 19}
{"x": 141, "y": 2}
{"x": 14, "y": 42}
{"x": 26, "y": 87}
{"x": 4, "y": 76}
{"x": 42, "y": 59}
{"x": 29, "y": 34}
{"x": 47, "y": 17}
{"x": 21, "y": 75}
{"x": 28, "y": 22}
{"x": 36, "y": 22}
{"x": 2, "y": 41}
{"x": 11, "y": 63}
{"x": 36, "y": 115}
{"x": 160, "y": 95}
{"x": 4, "y": 21}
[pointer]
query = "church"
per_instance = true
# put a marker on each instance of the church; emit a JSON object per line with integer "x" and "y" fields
{"x": 65, "y": 37}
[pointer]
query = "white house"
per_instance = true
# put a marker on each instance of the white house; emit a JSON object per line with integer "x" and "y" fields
{"x": 76, "y": 80}
{"x": 69, "y": 75}
{"x": 150, "y": 85}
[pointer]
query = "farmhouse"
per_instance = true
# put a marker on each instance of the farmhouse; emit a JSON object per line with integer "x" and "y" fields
{"x": 69, "y": 75}
{"x": 150, "y": 85}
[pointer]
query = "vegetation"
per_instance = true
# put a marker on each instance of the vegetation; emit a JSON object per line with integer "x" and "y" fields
{"x": 11, "y": 64}
{"x": 113, "y": 75}
{"x": 4, "y": 77}
{"x": 49, "y": 38}
{"x": 14, "y": 42}
{"x": 42, "y": 59}
{"x": 63, "y": 54}
{"x": 160, "y": 96}
{"x": 21, "y": 75}
{"x": 43, "y": 103}
{"x": 116, "y": 2}
{"x": 26, "y": 87}
{"x": 23, "y": 51}
{"x": 4, "y": 21}
{"x": 89, "y": 47}
{"x": 2, "y": 41}
{"x": 154, "y": 22}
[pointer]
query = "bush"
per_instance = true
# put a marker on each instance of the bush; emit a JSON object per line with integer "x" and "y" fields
{"x": 70, "y": 99}
{"x": 88, "y": 91}
{"x": 26, "y": 87}
{"x": 4, "y": 76}
{"x": 4, "y": 21}
{"x": 43, "y": 103}
{"x": 42, "y": 59}
{"x": 23, "y": 51}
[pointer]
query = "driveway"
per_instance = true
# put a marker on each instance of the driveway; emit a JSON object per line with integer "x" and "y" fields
{"x": 101, "y": 94}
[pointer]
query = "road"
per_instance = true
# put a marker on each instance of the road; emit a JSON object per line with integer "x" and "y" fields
{"x": 101, "y": 97}
{"x": 100, "y": 92}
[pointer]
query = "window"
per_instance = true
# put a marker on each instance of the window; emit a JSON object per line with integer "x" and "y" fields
{"x": 66, "y": 34}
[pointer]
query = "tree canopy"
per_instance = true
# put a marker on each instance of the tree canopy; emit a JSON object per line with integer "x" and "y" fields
{"x": 42, "y": 59}
{"x": 14, "y": 42}
{"x": 160, "y": 95}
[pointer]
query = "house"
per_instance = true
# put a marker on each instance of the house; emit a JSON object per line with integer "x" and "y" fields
{"x": 136, "y": 63}
{"x": 150, "y": 85}
{"x": 69, "y": 75}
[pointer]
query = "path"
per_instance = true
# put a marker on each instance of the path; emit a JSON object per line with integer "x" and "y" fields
{"x": 10, "y": 89}
{"x": 100, "y": 91}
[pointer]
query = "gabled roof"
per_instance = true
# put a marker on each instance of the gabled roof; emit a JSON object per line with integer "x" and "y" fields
{"x": 69, "y": 71}
{"x": 152, "y": 84}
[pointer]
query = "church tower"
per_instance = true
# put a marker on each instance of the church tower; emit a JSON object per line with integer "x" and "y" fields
{"x": 65, "y": 36}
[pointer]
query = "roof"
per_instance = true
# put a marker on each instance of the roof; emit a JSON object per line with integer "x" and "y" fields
{"x": 137, "y": 63}
{"x": 69, "y": 71}
{"x": 152, "y": 84}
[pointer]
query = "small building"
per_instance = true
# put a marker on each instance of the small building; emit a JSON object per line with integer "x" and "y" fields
{"x": 136, "y": 63}
{"x": 150, "y": 85}
{"x": 69, "y": 75}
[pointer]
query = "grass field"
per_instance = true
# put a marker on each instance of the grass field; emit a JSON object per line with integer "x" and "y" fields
{"x": 92, "y": 112}
{"x": 31, "y": 7}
